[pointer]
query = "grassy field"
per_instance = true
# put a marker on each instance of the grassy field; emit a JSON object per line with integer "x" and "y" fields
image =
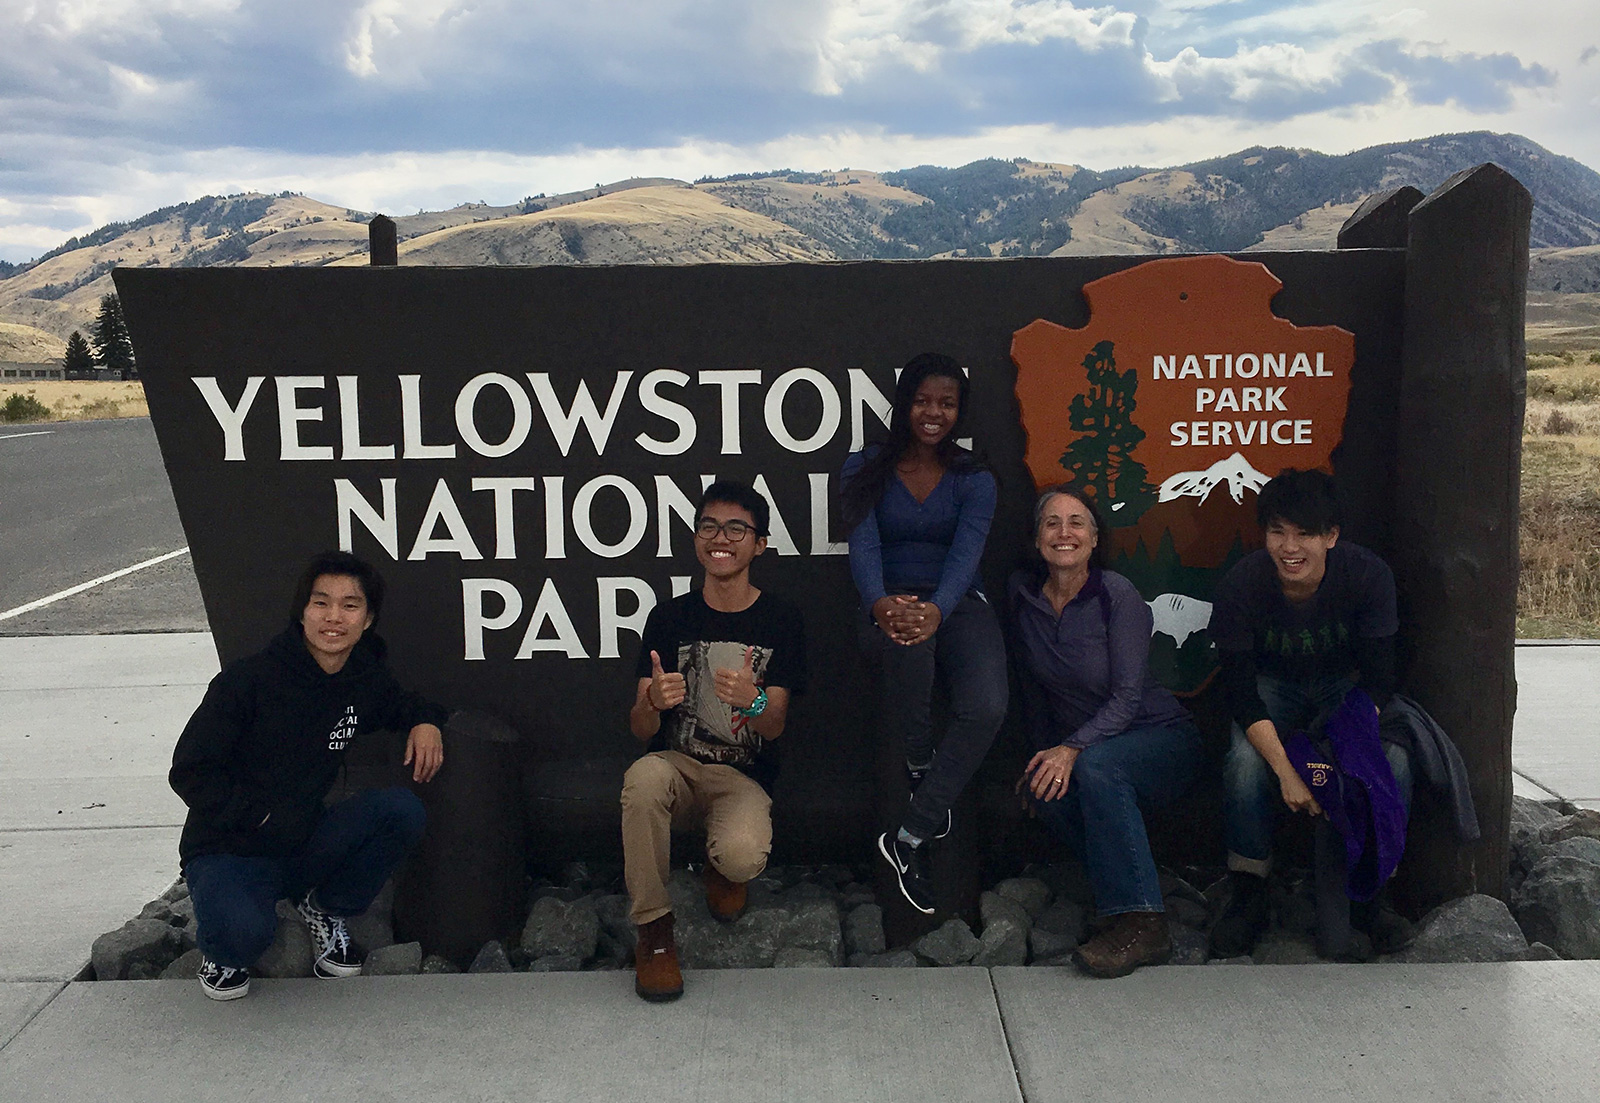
{"x": 76, "y": 400}
{"x": 1560, "y": 591}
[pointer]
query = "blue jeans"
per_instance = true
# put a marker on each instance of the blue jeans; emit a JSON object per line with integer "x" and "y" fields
{"x": 968, "y": 655}
{"x": 1102, "y": 814}
{"x": 355, "y": 847}
{"x": 1253, "y": 798}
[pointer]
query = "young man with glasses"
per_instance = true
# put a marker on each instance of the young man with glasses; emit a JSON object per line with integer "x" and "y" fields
{"x": 716, "y": 669}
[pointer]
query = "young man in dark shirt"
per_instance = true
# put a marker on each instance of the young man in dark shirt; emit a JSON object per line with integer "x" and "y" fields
{"x": 259, "y": 756}
{"x": 1298, "y": 624}
{"x": 716, "y": 669}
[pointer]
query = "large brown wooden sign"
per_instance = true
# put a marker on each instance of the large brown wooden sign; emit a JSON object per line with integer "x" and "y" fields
{"x": 518, "y": 448}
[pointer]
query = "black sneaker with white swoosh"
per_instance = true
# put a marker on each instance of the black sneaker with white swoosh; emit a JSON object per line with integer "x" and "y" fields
{"x": 911, "y": 869}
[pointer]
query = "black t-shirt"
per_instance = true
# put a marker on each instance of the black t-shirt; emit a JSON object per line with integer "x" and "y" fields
{"x": 693, "y": 639}
{"x": 1326, "y": 636}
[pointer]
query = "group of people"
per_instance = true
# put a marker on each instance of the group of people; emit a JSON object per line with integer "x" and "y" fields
{"x": 1304, "y": 627}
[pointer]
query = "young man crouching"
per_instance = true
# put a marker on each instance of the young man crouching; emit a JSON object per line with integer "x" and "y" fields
{"x": 257, "y": 759}
{"x": 716, "y": 668}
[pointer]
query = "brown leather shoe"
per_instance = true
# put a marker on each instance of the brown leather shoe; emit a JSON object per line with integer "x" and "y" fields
{"x": 725, "y": 898}
{"x": 656, "y": 976}
{"x": 1135, "y": 939}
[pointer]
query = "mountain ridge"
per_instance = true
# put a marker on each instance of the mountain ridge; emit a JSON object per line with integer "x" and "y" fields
{"x": 1252, "y": 199}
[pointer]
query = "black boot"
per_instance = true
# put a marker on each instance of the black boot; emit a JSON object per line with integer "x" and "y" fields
{"x": 1389, "y": 931}
{"x": 1244, "y": 919}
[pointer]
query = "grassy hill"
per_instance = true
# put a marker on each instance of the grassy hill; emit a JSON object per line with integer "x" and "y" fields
{"x": 1259, "y": 198}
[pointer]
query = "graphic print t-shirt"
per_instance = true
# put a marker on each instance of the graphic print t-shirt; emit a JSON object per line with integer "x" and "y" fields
{"x": 1310, "y": 640}
{"x": 693, "y": 639}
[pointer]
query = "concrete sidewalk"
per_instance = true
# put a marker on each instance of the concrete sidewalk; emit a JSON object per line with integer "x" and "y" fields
{"x": 1518, "y": 1031}
{"x": 88, "y": 827}
{"x": 88, "y": 833}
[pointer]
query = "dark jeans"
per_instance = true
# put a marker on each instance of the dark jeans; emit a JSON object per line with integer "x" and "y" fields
{"x": 352, "y": 852}
{"x": 1252, "y": 795}
{"x": 968, "y": 656}
{"x": 1102, "y": 814}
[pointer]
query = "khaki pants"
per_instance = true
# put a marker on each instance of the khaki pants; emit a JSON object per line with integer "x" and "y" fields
{"x": 666, "y": 789}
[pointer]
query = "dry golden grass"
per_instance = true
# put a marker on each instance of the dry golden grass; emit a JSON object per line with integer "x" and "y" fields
{"x": 82, "y": 400}
{"x": 1559, "y": 594}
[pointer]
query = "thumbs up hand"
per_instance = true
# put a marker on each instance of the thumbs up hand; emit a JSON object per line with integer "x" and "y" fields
{"x": 666, "y": 690}
{"x": 737, "y": 687}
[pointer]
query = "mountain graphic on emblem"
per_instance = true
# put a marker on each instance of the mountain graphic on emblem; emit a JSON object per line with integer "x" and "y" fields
{"x": 1236, "y": 471}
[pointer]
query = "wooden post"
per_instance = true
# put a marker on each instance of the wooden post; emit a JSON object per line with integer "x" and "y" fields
{"x": 383, "y": 242}
{"x": 1459, "y": 454}
{"x": 464, "y": 884}
{"x": 1382, "y": 220}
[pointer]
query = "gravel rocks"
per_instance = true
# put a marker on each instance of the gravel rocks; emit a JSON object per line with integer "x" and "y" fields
{"x": 490, "y": 959}
{"x": 1005, "y": 931}
{"x": 401, "y": 960}
{"x": 1559, "y": 904}
{"x": 1188, "y": 946}
{"x": 186, "y": 967}
{"x": 290, "y": 953}
{"x": 863, "y": 930}
{"x": 799, "y": 957}
{"x": 1473, "y": 928}
{"x": 827, "y": 916}
{"x": 951, "y": 944}
{"x": 556, "y": 963}
{"x": 139, "y": 949}
{"x": 560, "y": 927}
{"x": 1030, "y": 892}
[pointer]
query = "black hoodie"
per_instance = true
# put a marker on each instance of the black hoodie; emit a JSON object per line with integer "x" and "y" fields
{"x": 269, "y": 738}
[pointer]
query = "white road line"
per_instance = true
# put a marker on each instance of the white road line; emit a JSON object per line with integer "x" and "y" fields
{"x": 91, "y": 584}
{"x": 14, "y": 436}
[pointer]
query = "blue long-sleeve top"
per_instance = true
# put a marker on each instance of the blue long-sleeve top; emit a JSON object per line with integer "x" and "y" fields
{"x": 930, "y": 548}
{"x": 1086, "y": 671}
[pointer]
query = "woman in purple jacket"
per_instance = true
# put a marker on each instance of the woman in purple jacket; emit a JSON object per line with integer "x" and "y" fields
{"x": 918, "y": 508}
{"x": 1109, "y": 741}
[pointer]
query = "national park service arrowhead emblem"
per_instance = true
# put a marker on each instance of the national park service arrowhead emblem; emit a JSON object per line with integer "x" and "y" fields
{"x": 1182, "y": 396}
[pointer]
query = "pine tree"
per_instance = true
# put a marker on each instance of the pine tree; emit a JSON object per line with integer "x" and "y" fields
{"x": 1101, "y": 460}
{"x": 78, "y": 361}
{"x": 113, "y": 349}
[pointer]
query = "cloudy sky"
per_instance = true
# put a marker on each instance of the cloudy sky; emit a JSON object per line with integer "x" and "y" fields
{"x": 111, "y": 108}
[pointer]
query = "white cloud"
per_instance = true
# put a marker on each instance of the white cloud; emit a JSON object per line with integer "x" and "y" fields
{"x": 109, "y": 108}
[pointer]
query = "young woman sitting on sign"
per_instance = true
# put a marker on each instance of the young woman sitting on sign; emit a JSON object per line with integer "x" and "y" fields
{"x": 1109, "y": 740}
{"x": 918, "y": 508}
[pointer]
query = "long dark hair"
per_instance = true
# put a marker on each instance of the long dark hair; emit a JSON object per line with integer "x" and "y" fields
{"x": 860, "y": 495}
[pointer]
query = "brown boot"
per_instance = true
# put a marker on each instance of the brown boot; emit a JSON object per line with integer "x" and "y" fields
{"x": 656, "y": 976}
{"x": 1135, "y": 939}
{"x": 725, "y": 898}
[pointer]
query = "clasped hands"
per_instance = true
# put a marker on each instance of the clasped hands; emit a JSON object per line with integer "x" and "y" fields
{"x": 906, "y": 619}
{"x": 736, "y": 688}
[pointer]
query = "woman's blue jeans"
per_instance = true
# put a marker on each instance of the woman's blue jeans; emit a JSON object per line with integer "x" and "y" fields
{"x": 1253, "y": 798}
{"x": 1101, "y": 816}
{"x": 355, "y": 847}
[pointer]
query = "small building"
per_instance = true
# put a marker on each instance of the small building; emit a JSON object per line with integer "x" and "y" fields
{"x": 10, "y": 372}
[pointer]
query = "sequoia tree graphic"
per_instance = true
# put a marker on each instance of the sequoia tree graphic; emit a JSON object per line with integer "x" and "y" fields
{"x": 1101, "y": 460}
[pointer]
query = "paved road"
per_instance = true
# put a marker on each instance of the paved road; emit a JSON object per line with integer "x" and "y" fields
{"x": 79, "y": 500}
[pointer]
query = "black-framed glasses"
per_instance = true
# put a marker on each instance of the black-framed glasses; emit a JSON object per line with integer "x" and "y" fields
{"x": 735, "y": 530}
